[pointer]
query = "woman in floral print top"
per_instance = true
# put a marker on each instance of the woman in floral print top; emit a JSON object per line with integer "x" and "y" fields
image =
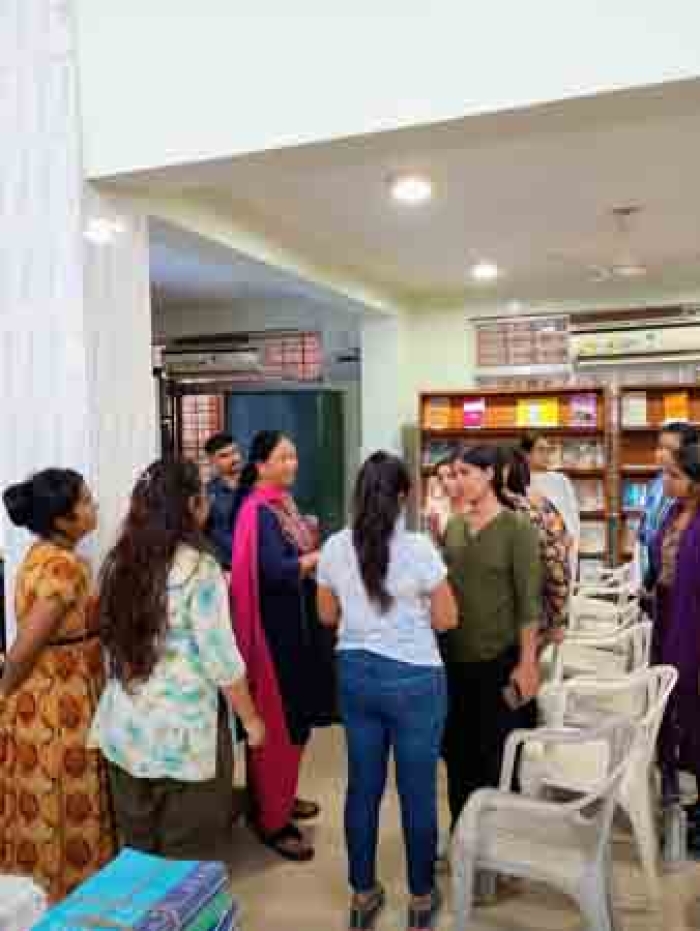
{"x": 555, "y": 545}
{"x": 163, "y": 721}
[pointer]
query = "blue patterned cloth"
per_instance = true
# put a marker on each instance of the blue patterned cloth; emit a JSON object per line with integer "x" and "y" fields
{"x": 143, "y": 893}
{"x": 655, "y": 512}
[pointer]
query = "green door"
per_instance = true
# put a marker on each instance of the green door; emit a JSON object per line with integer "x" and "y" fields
{"x": 314, "y": 421}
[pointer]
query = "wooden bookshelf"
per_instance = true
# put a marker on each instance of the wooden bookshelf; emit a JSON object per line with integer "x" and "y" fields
{"x": 575, "y": 420}
{"x": 642, "y": 411}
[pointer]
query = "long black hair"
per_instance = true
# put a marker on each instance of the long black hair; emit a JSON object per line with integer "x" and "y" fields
{"x": 263, "y": 446}
{"x": 133, "y": 601}
{"x": 382, "y": 483}
{"x": 688, "y": 461}
{"x": 488, "y": 457}
{"x": 43, "y": 499}
{"x": 518, "y": 479}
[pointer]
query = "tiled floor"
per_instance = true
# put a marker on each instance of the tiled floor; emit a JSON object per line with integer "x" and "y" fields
{"x": 278, "y": 896}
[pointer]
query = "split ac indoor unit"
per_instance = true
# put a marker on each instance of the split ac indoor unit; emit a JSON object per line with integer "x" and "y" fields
{"x": 667, "y": 340}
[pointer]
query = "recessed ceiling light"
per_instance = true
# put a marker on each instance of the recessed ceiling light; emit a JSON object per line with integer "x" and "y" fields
{"x": 484, "y": 271}
{"x": 101, "y": 230}
{"x": 630, "y": 270}
{"x": 411, "y": 189}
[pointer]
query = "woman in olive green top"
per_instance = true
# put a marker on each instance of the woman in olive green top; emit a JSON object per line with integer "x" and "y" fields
{"x": 493, "y": 558}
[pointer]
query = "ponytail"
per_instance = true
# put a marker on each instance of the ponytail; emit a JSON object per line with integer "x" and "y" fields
{"x": 381, "y": 485}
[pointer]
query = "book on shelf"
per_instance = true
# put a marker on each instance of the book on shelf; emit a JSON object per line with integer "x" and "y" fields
{"x": 634, "y": 409}
{"x": 437, "y": 451}
{"x": 630, "y": 534}
{"x": 676, "y": 406}
{"x": 474, "y": 413}
{"x": 634, "y": 494}
{"x": 590, "y": 494}
{"x": 437, "y": 414}
{"x": 556, "y": 454}
{"x": 583, "y": 410}
{"x": 583, "y": 454}
{"x": 539, "y": 412}
{"x": 593, "y": 537}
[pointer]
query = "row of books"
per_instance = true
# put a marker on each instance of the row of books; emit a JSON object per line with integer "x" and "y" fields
{"x": 635, "y": 408}
{"x": 577, "y": 454}
{"x": 474, "y": 413}
{"x": 566, "y": 454}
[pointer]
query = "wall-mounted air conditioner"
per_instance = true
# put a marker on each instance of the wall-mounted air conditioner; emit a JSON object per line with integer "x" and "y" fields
{"x": 662, "y": 342}
{"x": 210, "y": 356}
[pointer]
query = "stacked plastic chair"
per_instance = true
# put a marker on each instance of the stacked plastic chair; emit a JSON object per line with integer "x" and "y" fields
{"x": 562, "y": 843}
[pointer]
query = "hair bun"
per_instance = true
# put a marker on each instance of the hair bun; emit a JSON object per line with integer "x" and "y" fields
{"x": 19, "y": 503}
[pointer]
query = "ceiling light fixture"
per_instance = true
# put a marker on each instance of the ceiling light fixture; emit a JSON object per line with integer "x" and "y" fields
{"x": 629, "y": 270}
{"x": 485, "y": 271}
{"x": 102, "y": 231}
{"x": 411, "y": 189}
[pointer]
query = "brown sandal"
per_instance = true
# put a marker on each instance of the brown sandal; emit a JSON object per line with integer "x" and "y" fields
{"x": 276, "y": 842}
{"x": 305, "y": 811}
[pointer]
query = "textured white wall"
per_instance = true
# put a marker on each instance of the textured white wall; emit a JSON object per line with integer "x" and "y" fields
{"x": 75, "y": 374}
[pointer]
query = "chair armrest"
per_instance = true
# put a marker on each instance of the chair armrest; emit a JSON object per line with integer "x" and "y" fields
{"x": 540, "y": 735}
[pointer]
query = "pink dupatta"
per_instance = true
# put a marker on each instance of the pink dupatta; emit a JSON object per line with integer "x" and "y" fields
{"x": 274, "y": 768}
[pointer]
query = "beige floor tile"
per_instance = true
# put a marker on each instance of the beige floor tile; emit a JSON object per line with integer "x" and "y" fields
{"x": 280, "y": 896}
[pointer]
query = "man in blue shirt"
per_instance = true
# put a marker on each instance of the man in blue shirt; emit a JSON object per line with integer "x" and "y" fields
{"x": 227, "y": 463}
{"x": 672, "y": 437}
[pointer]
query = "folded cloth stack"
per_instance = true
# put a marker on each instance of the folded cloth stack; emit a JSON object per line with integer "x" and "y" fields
{"x": 22, "y": 903}
{"x": 139, "y": 892}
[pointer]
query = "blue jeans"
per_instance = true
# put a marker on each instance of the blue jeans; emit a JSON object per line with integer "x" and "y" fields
{"x": 386, "y": 705}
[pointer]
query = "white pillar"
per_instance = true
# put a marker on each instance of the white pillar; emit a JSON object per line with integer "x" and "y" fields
{"x": 382, "y": 402}
{"x": 75, "y": 373}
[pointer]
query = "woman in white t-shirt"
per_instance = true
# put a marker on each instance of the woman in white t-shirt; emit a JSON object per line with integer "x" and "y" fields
{"x": 387, "y": 592}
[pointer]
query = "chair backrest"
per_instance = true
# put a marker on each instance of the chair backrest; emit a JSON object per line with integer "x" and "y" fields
{"x": 641, "y": 696}
{"x": 632, "y": 643}
{"x": 585, "y": 613}
{"x": 609, "y": 577}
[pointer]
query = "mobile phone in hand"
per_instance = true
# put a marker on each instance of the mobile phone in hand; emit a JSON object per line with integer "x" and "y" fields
{"x": 512, "y": 696}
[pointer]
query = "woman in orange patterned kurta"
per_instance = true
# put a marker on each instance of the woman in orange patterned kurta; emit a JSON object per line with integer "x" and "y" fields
{"x": 56, "y": 822}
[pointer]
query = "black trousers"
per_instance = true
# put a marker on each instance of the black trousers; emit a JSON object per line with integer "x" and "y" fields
{"x": 478, "y": 724}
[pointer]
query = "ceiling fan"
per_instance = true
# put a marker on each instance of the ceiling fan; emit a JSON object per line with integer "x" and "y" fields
{"x": 624, "y": 263}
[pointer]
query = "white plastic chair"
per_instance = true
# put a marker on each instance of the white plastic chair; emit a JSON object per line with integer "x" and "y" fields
{"x": 606, "y": 655}
{"x": 622, "y": 576}
{"x": 602, "y": 617}
{"x": 642, "y": 697}
{"x": 563, "y": 844}
{"x": 591, "y": 598}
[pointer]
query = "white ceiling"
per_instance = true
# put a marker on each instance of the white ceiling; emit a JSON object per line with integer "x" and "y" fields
{"x": 514, "y": 188}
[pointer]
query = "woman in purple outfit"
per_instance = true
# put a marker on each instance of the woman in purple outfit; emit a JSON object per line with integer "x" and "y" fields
{"x": 678, "y": 618}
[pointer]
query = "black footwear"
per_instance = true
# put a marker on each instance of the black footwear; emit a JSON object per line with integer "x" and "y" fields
{"x": 363, "y": 917}
{"x": 423, "y": 918}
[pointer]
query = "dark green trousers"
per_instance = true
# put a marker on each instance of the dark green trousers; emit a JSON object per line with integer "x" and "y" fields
{"x": 179, "y": 820}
